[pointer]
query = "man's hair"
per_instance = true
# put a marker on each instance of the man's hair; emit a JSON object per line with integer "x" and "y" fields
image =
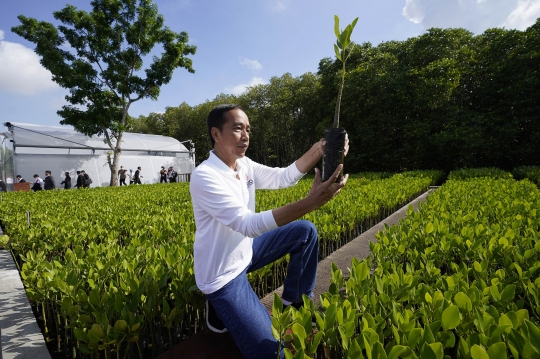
{"x": 36, "y": 175}
{"x": 216, "y": 118}
{"x": 49, "y": 172}
{"x": 18, "y": 176}
{"x": 139, "y": 168}
{"x": 78, "y": 172}
{"x": 83, "y": 171}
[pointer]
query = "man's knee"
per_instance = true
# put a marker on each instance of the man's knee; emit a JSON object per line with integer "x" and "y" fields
{"x": 308, "y": 228}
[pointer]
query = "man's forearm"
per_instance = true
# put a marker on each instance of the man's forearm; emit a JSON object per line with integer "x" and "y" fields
{"x": 292, "y": 211}
{"x": 311, "y": 157}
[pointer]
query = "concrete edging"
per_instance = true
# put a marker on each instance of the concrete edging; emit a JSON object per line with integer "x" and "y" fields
{"x": 20, "y": 337}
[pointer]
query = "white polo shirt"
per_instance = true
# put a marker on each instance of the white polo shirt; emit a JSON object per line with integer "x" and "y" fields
{"x": 225, "y": 217}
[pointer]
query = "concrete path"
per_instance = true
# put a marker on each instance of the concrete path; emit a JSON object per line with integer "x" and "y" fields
{"x": 358, "y": 247}
{"x": 20, "y": 336}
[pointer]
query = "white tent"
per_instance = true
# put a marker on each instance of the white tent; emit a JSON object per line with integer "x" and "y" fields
{"x": 29, "y": 149}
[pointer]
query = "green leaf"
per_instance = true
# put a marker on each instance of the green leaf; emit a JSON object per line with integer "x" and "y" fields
{"x": 533, "y": 334}
{"x": 497, "y": 351}
{"x": 299, "y": 335}
{"x": 509, "y": 292}
{"x": 463, "y": 301}
{"x": 338, "y": 54}
{"x": 362, "y": 271}
{"x": 428, "y": 335}
{"x": 378, "y": 351}
{"x": 121, "y": 326}
{"x": 477, "y": 267}
{"x": 463, "y": 348}
{"x": 315, "y": 342}
{"x": 432, "y": 351}
{"x": 288, "y": 354}
{"x": 336, "y": 26}
{"x": 330, "y": 317}
{"x": 414, "y": 337}
{"x": 355, "y": 352}
{"x": 397, "y": 350}
{"x": 450, "y": 317}
{"x": 429, "y": 228}
{"x": 477, "y": 352}
{"x": 275, "y": 328}
{"x": 80, "y": 335}
{"x": 353, "y": 24}
{"x": 277, "y": 306}
{"x": 95, "y": 334}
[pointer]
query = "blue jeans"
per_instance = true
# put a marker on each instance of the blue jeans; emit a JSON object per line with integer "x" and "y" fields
{"x": 238, "y": 306}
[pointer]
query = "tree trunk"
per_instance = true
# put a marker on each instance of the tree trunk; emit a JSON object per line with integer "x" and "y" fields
{"x": 115, "y": 161}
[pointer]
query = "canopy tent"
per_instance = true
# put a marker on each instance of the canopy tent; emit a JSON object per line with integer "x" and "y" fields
{"x": 32, "y": 149}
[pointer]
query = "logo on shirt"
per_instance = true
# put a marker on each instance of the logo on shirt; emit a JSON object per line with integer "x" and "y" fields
{"x": 249, "y": 182}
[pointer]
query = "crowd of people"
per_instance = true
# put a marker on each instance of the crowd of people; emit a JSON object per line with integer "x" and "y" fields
{"x": 83, "y": 180}
{"x": 48, "y": 183}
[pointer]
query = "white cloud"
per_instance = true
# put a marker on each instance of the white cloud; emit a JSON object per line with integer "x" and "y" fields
{"x": 413, "y": 11}
{"x": 238, "y": 89}
{"x": 524, "y": 15}
{"x": 253, "y": 64}
{"x": 473, "y": 15}
{"x": 20, "y": 70}
{"x": 278, "y": 6}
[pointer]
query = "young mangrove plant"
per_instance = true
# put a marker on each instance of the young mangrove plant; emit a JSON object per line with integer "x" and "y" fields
{"x": 335, "y": 137}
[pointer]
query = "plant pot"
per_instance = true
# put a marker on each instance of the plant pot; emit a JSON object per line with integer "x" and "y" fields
{"x": 333, "y": 152}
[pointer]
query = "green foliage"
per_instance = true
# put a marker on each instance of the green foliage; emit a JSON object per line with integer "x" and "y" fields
{"x": 459, "y": 278}
{"x": 532, "y": 173}
{"x": 110, "y": 270}
{"x": 468, "y": 173}
{"x": 4, "y": 240}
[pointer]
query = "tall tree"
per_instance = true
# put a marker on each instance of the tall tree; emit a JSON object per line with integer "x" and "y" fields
{"x": 99, "y": 57}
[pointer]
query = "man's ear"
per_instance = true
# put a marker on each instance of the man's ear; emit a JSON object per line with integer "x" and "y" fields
{"x": 215, "y": 133}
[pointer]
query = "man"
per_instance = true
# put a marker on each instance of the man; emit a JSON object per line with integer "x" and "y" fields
{"x": 122, "y": 176}
{"x": 48, "y": 183}
{"x": 38, "y": 183}
{"x": 137, "y": 177}
{"x": 87, "y": 181}
{"x": 80, "y": 180}
{"x": 3, "y": 187}
{"x": 20, "y": 179}
{"x": 162, "y": 175}
{"x": 232, "y": 240}
{"x": 171, "y": 174}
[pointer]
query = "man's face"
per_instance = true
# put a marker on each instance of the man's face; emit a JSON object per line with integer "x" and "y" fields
{"x": 233, "y": 139}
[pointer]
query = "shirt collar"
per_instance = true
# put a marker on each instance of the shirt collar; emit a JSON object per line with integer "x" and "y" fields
{"x": 220, "y": 165}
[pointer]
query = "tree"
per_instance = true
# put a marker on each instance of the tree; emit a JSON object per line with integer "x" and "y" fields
{"x": 99, "y": 57}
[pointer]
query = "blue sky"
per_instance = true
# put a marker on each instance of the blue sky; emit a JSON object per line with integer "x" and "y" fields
{"x": 241, "y": 42}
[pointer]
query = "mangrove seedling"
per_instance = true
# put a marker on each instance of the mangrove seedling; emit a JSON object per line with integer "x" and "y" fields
{"x": 335, "y": 137}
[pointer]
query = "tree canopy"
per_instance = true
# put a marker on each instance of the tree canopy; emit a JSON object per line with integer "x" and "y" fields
{"x": 444, "y": 100}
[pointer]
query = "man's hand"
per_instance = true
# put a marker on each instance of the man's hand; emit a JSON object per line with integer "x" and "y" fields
{"x": 322, "y": 192}
{"x": 319, "y": 195}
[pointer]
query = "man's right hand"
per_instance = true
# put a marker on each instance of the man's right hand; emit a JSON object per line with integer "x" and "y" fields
{"x": 322, "y": 192}
{"x": 319, "y": 195}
